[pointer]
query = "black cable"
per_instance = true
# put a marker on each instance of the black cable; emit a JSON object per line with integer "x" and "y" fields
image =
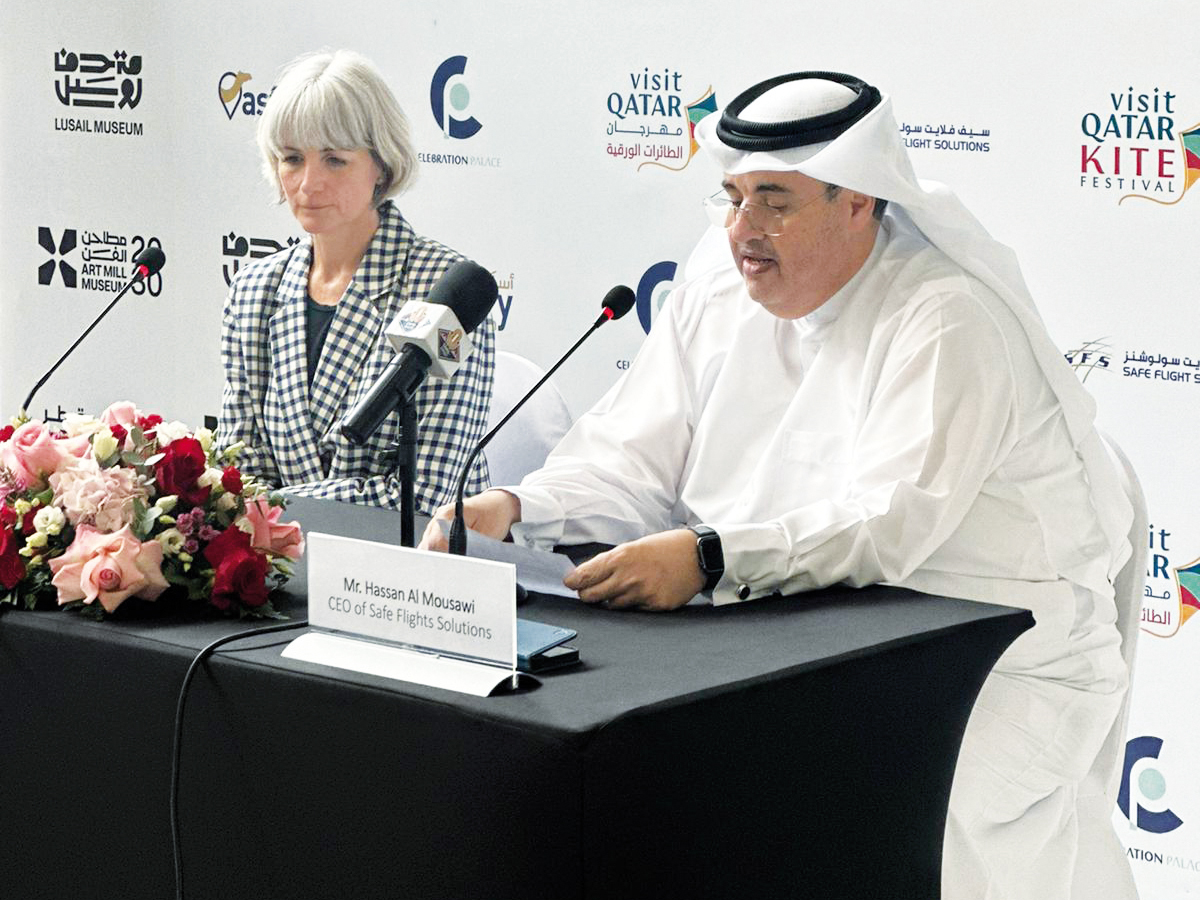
{"x": 187, "y": 679}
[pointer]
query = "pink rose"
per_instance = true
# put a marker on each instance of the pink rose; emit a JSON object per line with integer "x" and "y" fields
{"x": 33, "y": 453}
{"x": 120, "y": 418}
{"x": 121, "y": 413}
{"x": 269, "y": 534}
{"x": 108, "y": 568}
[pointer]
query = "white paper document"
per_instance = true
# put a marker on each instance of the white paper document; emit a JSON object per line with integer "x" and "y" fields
{"x": 538, "y": 571}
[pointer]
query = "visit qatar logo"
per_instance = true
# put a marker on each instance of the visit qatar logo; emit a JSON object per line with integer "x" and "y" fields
{"x": 1136, "y": 146}
{"x": 650, "y": 122}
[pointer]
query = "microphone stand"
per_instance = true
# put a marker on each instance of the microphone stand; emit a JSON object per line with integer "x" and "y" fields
{"x": 138, "y": 276}
{"x": 458, "y": 528}
{"x": 406, "y": 470}
{"x": 401, "y": 455}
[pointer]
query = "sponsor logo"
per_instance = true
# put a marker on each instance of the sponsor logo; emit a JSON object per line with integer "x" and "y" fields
{"x": 410, "y": 319}
{"x": 1089, "y": 357}
{"x": 1134, "y": 147}
{"x": 1172, "y": 593}
{"x": 98, "y": 81}
{"x": 449, "y": 92}
{"x": 57, "y": 252}
{"x": 1100, "y": 356}
{"x": 652, "y": 291}
{"x": 959, "y": 139}
{"x": 450, "y": 103}
{"x": 235, "y": 248}
{"x": 450, "y": 344}
{"x": 1144, "y": 787}
{"x": 503, "y": 300}
{"x": 103, "y": 261}
{"x": 236, "y": 99}
{"x": 651, "y": 125}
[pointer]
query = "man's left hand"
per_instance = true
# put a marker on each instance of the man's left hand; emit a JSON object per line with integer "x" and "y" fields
{"x": 658, "y": 572}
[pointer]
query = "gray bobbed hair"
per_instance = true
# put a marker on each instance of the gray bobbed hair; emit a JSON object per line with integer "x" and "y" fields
{"x": 338, "y": 100}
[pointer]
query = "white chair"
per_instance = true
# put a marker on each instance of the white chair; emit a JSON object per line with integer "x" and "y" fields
{"x": 523, "y": 444}
{"x": 1101, "y": 868}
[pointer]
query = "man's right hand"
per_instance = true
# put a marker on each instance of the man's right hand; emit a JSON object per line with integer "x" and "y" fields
{"x": 492, "y": 513}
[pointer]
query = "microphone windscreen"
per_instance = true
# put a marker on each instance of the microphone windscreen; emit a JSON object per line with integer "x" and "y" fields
{"x": 152, "y": 258}
{"x": 619, "y": 301}
{"x": 469, "y": 290}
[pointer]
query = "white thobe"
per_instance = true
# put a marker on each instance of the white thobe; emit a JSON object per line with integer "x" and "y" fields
{"x": 903, "y": 434}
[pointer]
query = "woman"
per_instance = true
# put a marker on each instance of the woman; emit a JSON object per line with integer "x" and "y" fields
{"x": 302, "y": 333}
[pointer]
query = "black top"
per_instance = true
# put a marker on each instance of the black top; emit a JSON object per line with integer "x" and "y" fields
{"x": 317, "y": 317}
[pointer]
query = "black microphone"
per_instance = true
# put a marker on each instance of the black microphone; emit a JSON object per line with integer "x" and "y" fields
{"x": 615, "y": 304}
{"x": 430, "y": 337}
{"x": 146, "y": 263}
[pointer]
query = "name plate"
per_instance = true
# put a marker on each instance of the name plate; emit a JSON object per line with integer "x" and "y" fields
{"x": 433, "y": 602}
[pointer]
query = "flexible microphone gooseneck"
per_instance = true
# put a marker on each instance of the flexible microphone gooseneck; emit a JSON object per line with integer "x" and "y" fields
{"x": 146, "y": 263}
{"x": 616, "y": 303}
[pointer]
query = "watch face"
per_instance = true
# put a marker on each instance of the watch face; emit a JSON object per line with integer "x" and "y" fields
{"x": 710, "y": 553}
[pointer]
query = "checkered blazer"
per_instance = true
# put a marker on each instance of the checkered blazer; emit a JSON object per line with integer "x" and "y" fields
{"x": 291, "y": 431}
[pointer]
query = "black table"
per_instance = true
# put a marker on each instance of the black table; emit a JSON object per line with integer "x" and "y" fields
{"x": 798, "y": 747}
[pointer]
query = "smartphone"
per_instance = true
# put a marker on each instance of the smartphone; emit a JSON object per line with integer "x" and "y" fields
{"x": 540, "y": 646}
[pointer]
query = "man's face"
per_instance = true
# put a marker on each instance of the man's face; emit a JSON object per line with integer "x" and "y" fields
{"x": 815, "y": 253}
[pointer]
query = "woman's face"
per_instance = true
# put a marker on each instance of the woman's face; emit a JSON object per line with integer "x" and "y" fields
{"x": 329, "y": 190}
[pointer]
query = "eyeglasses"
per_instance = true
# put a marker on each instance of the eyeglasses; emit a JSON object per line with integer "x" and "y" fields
{"x": 767, "y": 220}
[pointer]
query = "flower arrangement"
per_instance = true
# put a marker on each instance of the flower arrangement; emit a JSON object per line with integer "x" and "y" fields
{"x": 128, "y": 505}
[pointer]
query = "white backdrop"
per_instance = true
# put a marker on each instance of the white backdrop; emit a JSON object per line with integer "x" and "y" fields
{"x": 565, "y": 186}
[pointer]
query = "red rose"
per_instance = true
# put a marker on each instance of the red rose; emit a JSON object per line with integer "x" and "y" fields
{"x": 176, "y": 473}
{"x": 27, "y": 521}
{"x": 231, "y": 480}
{"x": 240, "y": 571}
{"x": 148, "y": 423}
{"x": 12, "y": 566}
{"x": 119, "y": 433}
{"x": 6, "y": 432}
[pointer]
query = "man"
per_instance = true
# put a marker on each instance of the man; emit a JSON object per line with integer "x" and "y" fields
{"x": 863, "y": 395}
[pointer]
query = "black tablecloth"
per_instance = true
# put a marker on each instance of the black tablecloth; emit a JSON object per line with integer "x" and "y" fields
{"x": 796, "y": 747}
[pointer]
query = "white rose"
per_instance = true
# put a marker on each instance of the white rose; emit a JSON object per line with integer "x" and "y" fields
{"x": 209, "y": 478}
{"x": 227, "y": 501}
{"x": 170, "y": 431}
{"x": 205, "y": 437}
{"x": 77, "y": 425}
{"x": 49, "y": 520}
